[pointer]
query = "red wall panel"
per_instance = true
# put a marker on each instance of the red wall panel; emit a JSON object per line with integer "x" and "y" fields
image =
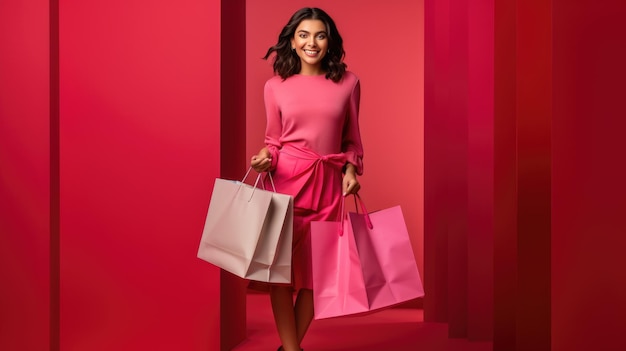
{"x": 522, "y": 174}
{"x": 24, "y": 176}
{"x": 534, "y": 114}
{"x": 505, "y": 177}
{"x": 480, "y": 170}
{"x": 436, "y": 96}
{"x": 588, "y": 172}
{"x": 139, "y": 138}
{"x": 456, "y": 193}
{"x": 459, "y": 166}
{"x": 459, "y": 126}
{"x": 233, "y": 158}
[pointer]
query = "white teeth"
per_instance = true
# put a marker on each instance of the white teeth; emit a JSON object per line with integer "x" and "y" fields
{"x": 309, "y": 52}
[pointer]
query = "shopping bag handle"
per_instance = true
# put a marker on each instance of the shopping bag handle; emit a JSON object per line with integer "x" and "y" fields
{"x": 256, "y": 182}
{"x": 368, "y": 221}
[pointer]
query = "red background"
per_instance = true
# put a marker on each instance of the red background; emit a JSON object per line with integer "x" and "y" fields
{"x": 139, "y": 127}
{"x": 24, "y": 176}
{"x": 523, "y": 193}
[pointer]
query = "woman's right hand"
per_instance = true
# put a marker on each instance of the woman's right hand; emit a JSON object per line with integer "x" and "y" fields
{"x": 262, "y": 161}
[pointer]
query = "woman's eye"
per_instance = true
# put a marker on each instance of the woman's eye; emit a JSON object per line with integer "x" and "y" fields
{"x": 302, "y": 35}
{"x": 321, "y": 37}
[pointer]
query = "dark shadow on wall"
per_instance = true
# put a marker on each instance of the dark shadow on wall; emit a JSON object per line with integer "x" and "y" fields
{"x": 232, "y": 154}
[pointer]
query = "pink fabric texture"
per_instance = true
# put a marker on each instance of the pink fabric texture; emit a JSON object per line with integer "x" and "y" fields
{"x": 312, "y": 131}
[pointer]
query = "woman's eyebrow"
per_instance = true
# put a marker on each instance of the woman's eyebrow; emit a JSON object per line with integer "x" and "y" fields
{"x": 307, "y": 32}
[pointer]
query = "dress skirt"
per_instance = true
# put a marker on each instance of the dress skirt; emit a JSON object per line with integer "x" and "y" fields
{"x": 315, "y": 183}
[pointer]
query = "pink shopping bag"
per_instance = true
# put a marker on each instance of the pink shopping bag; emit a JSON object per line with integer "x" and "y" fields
{"x": 362, "y": 263}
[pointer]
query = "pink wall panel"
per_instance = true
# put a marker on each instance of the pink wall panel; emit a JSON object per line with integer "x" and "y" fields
{"x": 139, "y": 119}
{"x": 391, "y": 71}
{"x": 24, "y": 176}
{"x": 588, "y": 172}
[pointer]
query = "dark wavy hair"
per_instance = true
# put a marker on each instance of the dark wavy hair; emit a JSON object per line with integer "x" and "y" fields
{"x": 287, "y": 62}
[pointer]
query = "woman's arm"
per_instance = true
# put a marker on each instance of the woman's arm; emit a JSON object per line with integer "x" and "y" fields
{"x": 351, "y": 144}
{"x": 267, "y": 157}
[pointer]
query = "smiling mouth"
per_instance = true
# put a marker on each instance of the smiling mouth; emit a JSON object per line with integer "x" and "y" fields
{"x": 311, "y": 52}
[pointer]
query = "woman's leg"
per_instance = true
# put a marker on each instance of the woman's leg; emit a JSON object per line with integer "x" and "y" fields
{"x": 303, "y": 312}
{"x": 284, "y": 316}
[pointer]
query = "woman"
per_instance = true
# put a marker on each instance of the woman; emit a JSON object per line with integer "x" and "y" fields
{"x": 313, "y": 148}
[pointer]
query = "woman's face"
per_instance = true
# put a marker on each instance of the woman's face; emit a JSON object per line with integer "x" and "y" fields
{"x": 311, "y": 44}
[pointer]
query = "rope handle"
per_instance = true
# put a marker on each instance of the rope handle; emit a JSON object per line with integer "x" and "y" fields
{"x": 357, "y": 198}
{"x": 368, "y": 221}
{"x": 256, "y": 182}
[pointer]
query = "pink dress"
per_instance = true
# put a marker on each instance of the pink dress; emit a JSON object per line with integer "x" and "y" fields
{"x": 312, "y": 131}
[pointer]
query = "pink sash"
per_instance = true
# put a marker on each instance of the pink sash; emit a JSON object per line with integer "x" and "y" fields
{"x": 304, "y": 174}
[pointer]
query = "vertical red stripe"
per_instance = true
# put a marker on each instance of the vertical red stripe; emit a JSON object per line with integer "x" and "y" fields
{"x": 55, "y": 182}
{"x": 233, "y": 158}
{"x": 534, "y": 112}
{"x": 505, "y": 176}
{"x": 456, "y": 169}
{"x": 588, "y": 173}
{"x": 480, "y": 234}
{"x": 436, "y": 96}
{"x": 25, "y": 184}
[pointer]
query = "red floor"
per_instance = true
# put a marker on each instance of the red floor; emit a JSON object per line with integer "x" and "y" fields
{"x": 393, "y": 329}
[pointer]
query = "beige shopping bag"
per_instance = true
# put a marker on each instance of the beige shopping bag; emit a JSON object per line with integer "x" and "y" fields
{"x": 248, "y": 231}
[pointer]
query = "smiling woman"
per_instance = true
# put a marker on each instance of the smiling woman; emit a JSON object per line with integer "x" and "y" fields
{"x": 312, "y": 148}
{"x": 391, "y": 95}
{"x": 387, "y": 55}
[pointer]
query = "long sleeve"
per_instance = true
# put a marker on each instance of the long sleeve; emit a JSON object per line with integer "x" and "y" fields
{"x": 274, "y": 127}
{"x": 351, "y": 139}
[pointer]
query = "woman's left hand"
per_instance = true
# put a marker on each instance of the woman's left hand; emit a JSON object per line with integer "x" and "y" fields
{"x": 350, "y": 183}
